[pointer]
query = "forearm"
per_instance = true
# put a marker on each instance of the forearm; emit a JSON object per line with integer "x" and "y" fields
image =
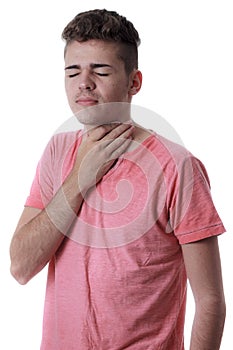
{"x": 208, "y": 325}
{"x": 36, "y": 242}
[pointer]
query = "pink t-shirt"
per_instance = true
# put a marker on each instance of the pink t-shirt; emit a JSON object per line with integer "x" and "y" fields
{"x": 118, "y": 279}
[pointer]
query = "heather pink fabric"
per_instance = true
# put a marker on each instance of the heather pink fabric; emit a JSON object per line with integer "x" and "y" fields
{"x": 118, "y": 281}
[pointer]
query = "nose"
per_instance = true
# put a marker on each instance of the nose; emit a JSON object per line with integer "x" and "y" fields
{"x": 86, "y": 83}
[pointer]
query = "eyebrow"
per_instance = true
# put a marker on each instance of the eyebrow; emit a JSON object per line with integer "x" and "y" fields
{"x": 92, "y": 65}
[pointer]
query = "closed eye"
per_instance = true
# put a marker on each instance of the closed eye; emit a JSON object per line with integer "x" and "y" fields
{"x": 73, "y": 75}
{"x": 102, "y": 74}
{"x": 99, "y": 74}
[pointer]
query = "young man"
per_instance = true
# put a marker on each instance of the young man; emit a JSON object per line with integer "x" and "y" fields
{"x": 121, "y": 214}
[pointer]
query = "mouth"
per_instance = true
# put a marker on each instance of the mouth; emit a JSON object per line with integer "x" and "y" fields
{"x": 86, "y": 101}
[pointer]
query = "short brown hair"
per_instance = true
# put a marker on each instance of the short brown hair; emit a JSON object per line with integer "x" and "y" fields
{"x": 108, "y": 26}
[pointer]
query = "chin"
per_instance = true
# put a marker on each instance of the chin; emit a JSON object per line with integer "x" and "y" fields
{"x": 105, "y": 113}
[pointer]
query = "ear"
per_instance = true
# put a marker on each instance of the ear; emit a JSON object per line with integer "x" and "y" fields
{"x": 135, "y": 82}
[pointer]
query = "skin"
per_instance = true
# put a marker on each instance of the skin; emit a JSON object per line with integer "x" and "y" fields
{"x": 203, "y": 266}
{"x": 95, "y": 77}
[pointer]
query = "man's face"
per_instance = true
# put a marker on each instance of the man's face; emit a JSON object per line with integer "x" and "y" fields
{"x": 95, "y": 75}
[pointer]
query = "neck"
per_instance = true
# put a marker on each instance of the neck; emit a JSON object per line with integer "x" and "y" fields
{"x": 87, "y": 127}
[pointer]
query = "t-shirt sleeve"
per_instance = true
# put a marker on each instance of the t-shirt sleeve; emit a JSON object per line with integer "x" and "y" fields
{"x": 193, "y": 215}
{"x": 41, "y": 190}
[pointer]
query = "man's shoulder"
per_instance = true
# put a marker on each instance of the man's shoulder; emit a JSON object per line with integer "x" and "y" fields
{"x": 64, "y": 140}
{"x": 168, "y": 147}
{"x": 60, "y": 144}
{"x": 66, "y": 136}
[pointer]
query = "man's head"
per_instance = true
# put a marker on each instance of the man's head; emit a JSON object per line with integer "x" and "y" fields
{"x": 107, "y": 26}
{"x": 101, "y": 63}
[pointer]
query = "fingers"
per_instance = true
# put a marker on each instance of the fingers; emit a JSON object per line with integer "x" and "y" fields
{"x": 119, "y": 139}
{"x": 121, "y": 130}
{"x": 118, "y": 147}
{"x": 103, "y": 144}
{"x": 116, "y": 141}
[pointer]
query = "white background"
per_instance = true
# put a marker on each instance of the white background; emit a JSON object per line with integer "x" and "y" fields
{"x": 186, "y": 59}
